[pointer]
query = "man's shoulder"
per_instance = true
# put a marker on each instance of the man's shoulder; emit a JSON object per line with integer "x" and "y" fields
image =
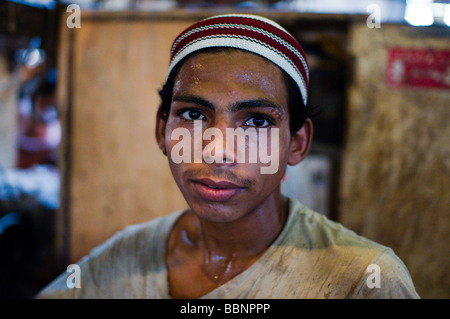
{"x": 149, "y": 232}
{"x": 118, "y": 267}
{"x": 315, "y": 230}
{"x": 333, "y": 251}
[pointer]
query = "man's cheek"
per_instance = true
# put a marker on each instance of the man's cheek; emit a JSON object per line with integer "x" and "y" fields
{"x": 269, "y": 151}
{"x": 185, "y": 144}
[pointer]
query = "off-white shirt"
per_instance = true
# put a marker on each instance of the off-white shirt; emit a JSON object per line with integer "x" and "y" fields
{"x": 312, "y": 257}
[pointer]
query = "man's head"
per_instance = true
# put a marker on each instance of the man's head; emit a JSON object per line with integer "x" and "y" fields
{"x": 253, "y": 34}
{"x": 226, "y": 87}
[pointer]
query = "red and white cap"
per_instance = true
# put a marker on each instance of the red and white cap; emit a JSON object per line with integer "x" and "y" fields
{"x": 247, "y": 32}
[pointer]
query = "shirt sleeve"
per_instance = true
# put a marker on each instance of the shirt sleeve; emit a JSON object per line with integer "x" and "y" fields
{"x": 388, "y": 278}
{"x": 95, "y": 271}
{"x": 65, "y": 285}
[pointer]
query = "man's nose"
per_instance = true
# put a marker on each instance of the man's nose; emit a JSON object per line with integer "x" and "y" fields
{"x": 217, "y": 149}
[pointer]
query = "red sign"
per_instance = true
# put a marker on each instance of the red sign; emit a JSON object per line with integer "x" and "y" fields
{"x": 418, "y": 68}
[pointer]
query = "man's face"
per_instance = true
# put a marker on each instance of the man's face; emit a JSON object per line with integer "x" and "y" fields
{"x": 223, "y": 90}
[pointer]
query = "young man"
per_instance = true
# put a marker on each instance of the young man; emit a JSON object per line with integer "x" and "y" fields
{"x": 237, "y": 78}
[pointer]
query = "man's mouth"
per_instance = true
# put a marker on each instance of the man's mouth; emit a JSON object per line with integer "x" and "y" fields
{"x": 216, "y": 190}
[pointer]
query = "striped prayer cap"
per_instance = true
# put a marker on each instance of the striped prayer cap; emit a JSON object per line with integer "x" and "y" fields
{"x": 247, "y": 32}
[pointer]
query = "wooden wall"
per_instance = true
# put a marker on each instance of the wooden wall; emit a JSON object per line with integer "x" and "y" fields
{"x": 395, "y": 173}
{"x": 113, "y": 172}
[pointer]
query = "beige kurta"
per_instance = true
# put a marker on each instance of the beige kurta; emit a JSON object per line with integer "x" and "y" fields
{"x": 312, "y": 257}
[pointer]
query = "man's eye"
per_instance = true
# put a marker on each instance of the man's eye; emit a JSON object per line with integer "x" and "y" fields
{"x": 258, "y": 121}
{"x": 192, "y": 115}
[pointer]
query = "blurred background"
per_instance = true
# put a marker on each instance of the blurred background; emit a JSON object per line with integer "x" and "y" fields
{"x": 78, "y": 100}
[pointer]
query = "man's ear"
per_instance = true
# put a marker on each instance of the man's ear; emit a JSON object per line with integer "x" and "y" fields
{"x": 160, "y": 132}
{"x": 300, "y": 143}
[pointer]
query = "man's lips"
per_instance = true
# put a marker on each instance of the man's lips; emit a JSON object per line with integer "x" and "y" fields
{"x": 222, "y": 184}
{"x": 218, "y": 191}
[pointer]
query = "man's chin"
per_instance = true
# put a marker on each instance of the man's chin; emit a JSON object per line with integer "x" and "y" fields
{"x": 217, "y": 212}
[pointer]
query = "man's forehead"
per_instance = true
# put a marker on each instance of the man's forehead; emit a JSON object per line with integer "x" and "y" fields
{"x": 231, "y": 74}
{"x": 238, "y": 64}
{"x": 229, "y": 55}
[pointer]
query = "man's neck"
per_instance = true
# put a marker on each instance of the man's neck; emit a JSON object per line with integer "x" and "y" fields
{"x": 226, "y": 249}
{"x": 246, "y": 237}
{"x": 203, "y": 255}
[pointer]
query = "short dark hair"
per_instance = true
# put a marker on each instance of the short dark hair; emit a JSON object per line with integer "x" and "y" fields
{"x": 298, "y": 112}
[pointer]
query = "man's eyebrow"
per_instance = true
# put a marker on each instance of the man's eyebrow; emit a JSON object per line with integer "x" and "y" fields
{"x": 250, "y": 104}
{"x": 194, "y": 100}
{"x": 238, "y": 106}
